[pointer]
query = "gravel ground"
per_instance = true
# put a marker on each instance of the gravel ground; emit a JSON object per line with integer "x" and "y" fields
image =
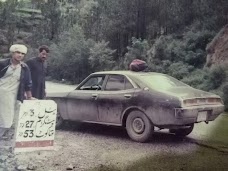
{"x": 85, "y": 146}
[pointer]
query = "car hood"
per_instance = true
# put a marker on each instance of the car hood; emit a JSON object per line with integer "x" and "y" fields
{"x": 188, "y": 92}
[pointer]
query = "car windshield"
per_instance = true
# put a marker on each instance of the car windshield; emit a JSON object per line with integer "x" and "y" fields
{"x": 161, "y": 82}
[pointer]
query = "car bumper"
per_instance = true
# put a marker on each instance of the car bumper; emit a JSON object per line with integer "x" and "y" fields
{"x": 197, "y": 114}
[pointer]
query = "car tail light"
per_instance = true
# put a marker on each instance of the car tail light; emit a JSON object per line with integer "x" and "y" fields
{"x": 214, "y": 101}
{"x": 190, "y": 102}
{"x": 201, "y": 101}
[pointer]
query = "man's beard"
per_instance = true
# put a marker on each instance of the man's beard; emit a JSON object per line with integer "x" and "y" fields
{"x": 16, "y": 60}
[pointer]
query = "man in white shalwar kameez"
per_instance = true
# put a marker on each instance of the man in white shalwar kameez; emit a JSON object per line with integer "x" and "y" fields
{"x": 15, "y": 81}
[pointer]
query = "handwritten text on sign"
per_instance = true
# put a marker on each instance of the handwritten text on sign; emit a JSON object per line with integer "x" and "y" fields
{"x": 36, "y": 125}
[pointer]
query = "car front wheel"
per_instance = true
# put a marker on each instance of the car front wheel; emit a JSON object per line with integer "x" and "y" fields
{"x": 139, "y": 127}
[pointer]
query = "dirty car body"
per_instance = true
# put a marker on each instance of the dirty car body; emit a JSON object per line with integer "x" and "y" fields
{"x": 139, "y": 101}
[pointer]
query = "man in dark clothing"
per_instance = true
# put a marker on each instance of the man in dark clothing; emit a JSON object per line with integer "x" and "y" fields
{"x": 37, "y": 67}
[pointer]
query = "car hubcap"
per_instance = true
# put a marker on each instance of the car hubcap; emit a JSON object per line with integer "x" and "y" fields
{"x": 138, "y": 125}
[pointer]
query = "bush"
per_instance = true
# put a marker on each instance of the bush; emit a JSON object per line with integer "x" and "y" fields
{"x": 207, "y": 79}
{"x": 101, "y": 57}
{"x": 138, "y": 50}
{"x": 199, "y": 79}
{"x": 179, "y": 70}
{"x": 218, "y": 76}
{"x": 74, "y": 57}
{"x": 69, "y": 58}
{"x": 188, "y": 48}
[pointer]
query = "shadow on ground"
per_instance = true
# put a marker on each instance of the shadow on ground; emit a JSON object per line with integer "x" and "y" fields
{"x": 119, "y": 133}
{"x": 211, "y": 155}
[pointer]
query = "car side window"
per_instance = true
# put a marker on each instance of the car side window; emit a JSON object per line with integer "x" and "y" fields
{"x": 117, "y": 82}
{"x": 93, "y": 83}
{"x": 128, "y": 84}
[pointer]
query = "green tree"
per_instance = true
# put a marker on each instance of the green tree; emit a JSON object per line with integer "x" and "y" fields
{"x": 8, "y": 19}
{"x": 138, "y": 50}
{"x": 101, "y": 57}
{"x": 52, "y": 23}
{"x": 69, "y": 59}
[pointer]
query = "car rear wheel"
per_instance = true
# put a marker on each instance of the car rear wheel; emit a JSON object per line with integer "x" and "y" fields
{"x": 182, "y": 132}
{"x": 139, "y": 127}
{"x": 59, "y": 121}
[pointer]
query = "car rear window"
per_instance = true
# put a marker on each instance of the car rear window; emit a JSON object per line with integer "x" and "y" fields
{"x": 118, "y": 82}
{"x": 162, "y": 82}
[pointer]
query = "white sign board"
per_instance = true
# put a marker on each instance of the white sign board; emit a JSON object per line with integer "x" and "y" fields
{"x": 36, "y": 126}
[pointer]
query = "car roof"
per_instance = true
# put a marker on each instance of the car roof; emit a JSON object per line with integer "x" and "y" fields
{"x": 130, "y": 73}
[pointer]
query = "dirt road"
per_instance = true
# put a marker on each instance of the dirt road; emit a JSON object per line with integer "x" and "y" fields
{"x": 85, "y": 146}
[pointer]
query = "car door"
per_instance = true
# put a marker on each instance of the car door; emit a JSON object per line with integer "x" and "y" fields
{"x": 81, "y": 103}
{"x": 118, "y": 94}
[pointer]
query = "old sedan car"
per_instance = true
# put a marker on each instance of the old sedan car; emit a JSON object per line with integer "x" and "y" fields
{"x": 139, "y": 101}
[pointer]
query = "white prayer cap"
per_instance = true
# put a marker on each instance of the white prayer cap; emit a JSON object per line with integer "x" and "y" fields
{"x": 18, "y": 48}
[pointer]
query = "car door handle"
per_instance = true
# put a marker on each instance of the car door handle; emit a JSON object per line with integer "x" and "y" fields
{"x": 127, "y": 95}
{"x": 94, "y": 95}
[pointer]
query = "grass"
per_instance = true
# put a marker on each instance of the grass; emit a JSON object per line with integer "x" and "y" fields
{"x": 215, "y": 132}
{"x": 219, "y": 134}
{"x": 201, "y": 159}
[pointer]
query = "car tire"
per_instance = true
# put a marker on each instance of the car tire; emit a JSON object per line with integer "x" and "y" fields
{"x": 139, "y": 127}
{"x": 59, "y": 121}
{"x": 183, "y": 132}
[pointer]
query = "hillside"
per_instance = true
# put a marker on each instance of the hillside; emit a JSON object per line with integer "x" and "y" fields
{"x": 217, "y": 49}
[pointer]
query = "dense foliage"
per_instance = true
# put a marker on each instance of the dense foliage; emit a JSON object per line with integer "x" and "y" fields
{"x": 91, "y": 35}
